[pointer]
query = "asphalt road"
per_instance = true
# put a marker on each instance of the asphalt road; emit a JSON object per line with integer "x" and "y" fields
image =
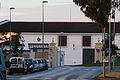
{"x": 60, "y": 73}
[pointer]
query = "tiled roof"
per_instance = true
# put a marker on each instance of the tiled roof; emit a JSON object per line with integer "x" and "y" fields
{"x": 57, "y": 27}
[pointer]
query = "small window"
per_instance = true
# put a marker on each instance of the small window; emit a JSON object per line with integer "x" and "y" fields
{"x": 86, "y": 41}
{"x": 62, "y": 41}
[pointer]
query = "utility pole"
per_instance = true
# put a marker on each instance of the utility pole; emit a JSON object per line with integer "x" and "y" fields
{"x": 103, "y": 53}
{"x": 43, "y": 25}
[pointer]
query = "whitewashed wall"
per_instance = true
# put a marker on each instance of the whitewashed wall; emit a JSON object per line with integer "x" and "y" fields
{"x": 73, "y": 54}
{"x": 117, "y": 40}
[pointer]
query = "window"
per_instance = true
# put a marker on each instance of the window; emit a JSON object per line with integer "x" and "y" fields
{"x": 28, "y": 61}
{"x": 19, "y": 61}
{"x": 62, "y": 41}
{"x": 86, "y": 41}
{"x": 13, "y": 61}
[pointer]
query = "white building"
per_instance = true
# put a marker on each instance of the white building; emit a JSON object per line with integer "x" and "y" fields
{"x": 77, "y": 38}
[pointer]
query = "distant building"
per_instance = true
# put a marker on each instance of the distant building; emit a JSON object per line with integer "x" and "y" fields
{"x": 78, "y": 39}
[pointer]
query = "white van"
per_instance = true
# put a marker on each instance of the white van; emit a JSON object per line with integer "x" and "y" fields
{"x": 2, "y": 66}
{"x": 17, "y": 65}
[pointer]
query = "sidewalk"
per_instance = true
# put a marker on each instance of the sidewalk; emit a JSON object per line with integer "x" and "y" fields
{"x": 113, "y": 75}
{"x": 116, "y": 69}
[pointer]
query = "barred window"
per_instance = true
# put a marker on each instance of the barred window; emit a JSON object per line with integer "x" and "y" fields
{"x": 62, "y": 41}
{"x": 86, "y": 41}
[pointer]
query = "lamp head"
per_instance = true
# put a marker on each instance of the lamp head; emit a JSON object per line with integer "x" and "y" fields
{"x": 44, "y": 1}
{"x": 12, "y": 8}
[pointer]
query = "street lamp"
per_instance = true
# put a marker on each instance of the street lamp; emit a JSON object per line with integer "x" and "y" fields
{"x": 10, "y": 25}
{"x": 61, "y": 33}
{"x": 43, "y": 2}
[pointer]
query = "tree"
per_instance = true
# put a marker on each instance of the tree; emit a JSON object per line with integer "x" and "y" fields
{"x": 17, "y": 47}
{"x": 98, "y": 10}
{"x": 113, "y": 47}
{"x": 16, "y": 44}
{"x": 3, "y": 34}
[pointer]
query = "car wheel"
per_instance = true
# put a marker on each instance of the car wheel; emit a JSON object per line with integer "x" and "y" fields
{"x": 32, "y": 71}
{"x": 24, "y": 72}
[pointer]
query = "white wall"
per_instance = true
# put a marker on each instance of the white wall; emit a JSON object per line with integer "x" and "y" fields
{"x": 30, "y": 38}
{"x": 73, "y": 55}
{"x": 117, "y": 40}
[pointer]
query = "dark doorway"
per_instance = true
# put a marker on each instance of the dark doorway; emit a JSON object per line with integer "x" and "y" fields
{"x": 88, "y": 56}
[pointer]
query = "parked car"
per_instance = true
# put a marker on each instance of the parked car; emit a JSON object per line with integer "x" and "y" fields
{"x": 17, "y": 65}
{"x": 2, "y": 66}
{"x": 45, "y": 63}
{"x": 30, "y": 64}
{"x": 41, "y": 65}
{"x": 36, "y": 66}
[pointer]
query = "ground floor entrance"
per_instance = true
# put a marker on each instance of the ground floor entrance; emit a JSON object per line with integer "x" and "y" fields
{"x": 88, "y": 56}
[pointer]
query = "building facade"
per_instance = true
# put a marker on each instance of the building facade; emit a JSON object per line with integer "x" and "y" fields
{"x": 76, "y": 39}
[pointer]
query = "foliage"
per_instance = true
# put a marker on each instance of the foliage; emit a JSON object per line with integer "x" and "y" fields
{"x": 3, "y": 30}
{"x": 17, "y": 47}
{"x": 3, "y": 34}
{"x": 16, "y": 44}
{"x": 98, "y": 10}
{"x": 113, "y": 46}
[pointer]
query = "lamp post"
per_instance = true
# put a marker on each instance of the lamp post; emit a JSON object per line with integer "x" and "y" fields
{"x": 43, "y": 2}
{"x": 10, "y": 25}
{"x": 110, "y": 42}
{"x": 114, "y": 36}
{"x": 61, "y": 33}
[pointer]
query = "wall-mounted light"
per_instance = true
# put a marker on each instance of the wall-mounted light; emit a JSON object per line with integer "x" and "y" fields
{"x": 73, "y": 46}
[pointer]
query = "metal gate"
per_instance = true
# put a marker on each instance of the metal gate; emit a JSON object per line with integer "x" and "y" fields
{"x": 88, "y": 56}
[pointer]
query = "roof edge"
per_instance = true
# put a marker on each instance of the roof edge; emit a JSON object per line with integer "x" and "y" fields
{"x": 4, "y": 22}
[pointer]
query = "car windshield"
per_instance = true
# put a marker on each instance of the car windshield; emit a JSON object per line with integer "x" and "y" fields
{"x": 39, "y": 61}
{"x": 13, "y": 61}
{"x": 28, "y": 60}
{"x": 35, "y": 62}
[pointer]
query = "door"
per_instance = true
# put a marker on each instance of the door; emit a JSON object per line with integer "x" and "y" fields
{"x": 88, "y": 56}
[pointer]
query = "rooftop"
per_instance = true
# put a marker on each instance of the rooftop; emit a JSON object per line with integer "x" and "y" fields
{"x": 56, "y": 27}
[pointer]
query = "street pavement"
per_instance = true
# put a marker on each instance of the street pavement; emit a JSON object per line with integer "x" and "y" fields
{"x": 60, "y": 73}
